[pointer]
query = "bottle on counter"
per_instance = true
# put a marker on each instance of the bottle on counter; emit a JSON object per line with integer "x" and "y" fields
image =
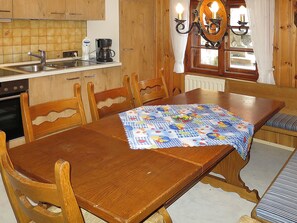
{"x": 86, "y": 48}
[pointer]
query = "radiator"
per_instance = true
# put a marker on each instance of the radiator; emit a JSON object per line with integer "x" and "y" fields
{"x": 208, "y": 83}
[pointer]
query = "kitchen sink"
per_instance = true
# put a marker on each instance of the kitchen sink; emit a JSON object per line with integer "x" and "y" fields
{"x": 33, "y": 68}
{"x": 71, "y": 63}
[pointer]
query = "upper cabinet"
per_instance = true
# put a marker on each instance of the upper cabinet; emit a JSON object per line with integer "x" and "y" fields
{"x": 29, "y": 9}
{"x": 55, "y": 9}
{"x": 59, "y": 9}
{"x": 96, "y": 9}
{"x": 5, "y": 9}
{"x": 76, "y": 9}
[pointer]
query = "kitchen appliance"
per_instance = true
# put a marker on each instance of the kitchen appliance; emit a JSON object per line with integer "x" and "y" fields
{"x": 10, "y": 109}
{"x": 103, "y": 51}
{"x": 85, "y": 48}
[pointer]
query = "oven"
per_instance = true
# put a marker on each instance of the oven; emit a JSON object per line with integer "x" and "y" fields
{"x": 10, "y": 109}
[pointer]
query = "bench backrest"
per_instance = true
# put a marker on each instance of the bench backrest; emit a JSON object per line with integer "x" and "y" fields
{"x": 286, "y": 94}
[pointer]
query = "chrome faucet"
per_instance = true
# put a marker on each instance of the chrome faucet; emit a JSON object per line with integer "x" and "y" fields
{"x": 41, "y": 56}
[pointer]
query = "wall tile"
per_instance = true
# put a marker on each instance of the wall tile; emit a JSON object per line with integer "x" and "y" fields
{"x": 34, "y": 40}
{"x": 7, "y": 50}
{"x": 17, "y": 32}
{"x": 7, "y": 58}
{"x": 7, "y": 33}
{"x": 19, "y": 37}
{"x": 26, "y": 40}
{"x": 7, "y": 41}
{"x": 34, "y": 48}
{"x": 34, "y": 32}
{"x": 16, "y": 41}
{"x": 16, "y": 49}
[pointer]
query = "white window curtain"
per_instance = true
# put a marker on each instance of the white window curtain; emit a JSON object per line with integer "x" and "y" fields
{"x": 261, "y": 19}
{"x": 179, "y": 41}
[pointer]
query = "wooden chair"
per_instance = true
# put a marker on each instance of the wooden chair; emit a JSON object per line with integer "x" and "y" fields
{"x": 148, "y": 90}
{"x": 51, "y": 202}
{"x": 122, "y": 100}
{"x": 30, "y": 114}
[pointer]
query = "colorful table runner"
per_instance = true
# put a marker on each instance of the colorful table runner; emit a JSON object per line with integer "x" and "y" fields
{"x": 165, "y": 126}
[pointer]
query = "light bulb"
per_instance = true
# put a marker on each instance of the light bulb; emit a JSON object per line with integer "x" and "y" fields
{"x": 179, "y": 9}
{"x": 214, "y": 9}
{"x": 242, "y": 11}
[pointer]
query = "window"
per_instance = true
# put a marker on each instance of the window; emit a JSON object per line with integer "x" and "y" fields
{"x": 234, "y": 58}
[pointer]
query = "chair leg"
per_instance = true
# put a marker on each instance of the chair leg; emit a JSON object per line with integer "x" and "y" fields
{"x": 162, "y": 211}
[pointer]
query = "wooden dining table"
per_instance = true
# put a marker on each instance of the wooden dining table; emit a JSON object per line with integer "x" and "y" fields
{"x": 119, "y": 184}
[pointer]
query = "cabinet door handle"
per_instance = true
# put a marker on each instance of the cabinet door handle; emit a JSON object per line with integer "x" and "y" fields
{"x": 90, "y": 76}
{"x": 72, "y": 78}
{"x": 57, "y": 13}
{"x": 128, "y": 49}
{"x": 73, "y": 13}
{"x": 5, "y": 11}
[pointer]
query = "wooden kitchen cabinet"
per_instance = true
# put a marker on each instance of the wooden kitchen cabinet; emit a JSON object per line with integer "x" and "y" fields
{"x": 76, "y": 9}
{"x": 50, "y": 88}
{"x": 5, "y": 9}
{"x": 29, "y": 9}
{"x": 95, "y": 9}
{"x": 85, "y": 9}
{"x": 55, "y": 9}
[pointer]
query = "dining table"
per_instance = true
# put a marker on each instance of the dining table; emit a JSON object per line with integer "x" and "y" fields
{"x": 119, "y": 184}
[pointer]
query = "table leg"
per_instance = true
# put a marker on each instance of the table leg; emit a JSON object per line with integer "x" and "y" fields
{"x": 230, "y": 168}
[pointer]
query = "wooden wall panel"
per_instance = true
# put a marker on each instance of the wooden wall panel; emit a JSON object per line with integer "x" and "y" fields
{"x": 165, "y": 57}
{"x": 285, "y": 43}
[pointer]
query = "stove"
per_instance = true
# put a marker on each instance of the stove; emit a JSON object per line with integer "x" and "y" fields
{"x": 10, "y": 110}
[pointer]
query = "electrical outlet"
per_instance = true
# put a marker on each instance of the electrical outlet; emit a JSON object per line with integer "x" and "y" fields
{"x": 73, "y": 53}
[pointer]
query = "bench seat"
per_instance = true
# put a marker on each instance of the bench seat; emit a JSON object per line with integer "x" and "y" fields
{"x": 283, "y": 121}
{"x": 281, "y": 132}
{"x": 279, "y": 203}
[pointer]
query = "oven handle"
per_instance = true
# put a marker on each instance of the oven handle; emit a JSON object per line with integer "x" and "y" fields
{"x": 9, "y": 97}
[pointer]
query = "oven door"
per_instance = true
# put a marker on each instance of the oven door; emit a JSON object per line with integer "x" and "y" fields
{"x": 10, "y": 116}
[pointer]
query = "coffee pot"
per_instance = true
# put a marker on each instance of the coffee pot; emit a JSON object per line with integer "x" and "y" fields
{"x": 103, "y": 51}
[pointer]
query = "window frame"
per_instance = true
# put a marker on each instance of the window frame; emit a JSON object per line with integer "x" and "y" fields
{"x": 223, "y": 69}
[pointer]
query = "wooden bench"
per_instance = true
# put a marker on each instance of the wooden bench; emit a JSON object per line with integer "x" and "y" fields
{"x": 275, "y": 130}
{"x": 279, "y": 203}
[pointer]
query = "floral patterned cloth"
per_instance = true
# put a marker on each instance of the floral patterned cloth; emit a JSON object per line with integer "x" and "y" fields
{"x": 164, "y": 126}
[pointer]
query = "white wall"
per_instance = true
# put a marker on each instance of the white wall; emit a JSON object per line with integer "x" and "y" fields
{"x": 108, "y": 28}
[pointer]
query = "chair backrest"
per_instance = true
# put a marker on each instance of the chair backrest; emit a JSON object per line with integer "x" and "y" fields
{"x": 113, "y": 101}
{"x": 27, "y": 196}
{"x": 148, "y": 90}
{"x": 41, "y": 120}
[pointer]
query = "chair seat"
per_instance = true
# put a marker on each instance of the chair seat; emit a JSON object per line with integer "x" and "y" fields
{"x": 283, "y": 121}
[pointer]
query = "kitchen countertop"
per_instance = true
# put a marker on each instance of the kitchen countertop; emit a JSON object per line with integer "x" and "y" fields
{"x": 18, "y": 75}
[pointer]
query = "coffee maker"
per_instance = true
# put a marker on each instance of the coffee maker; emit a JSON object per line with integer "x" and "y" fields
{"x": 103, "y": 51}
